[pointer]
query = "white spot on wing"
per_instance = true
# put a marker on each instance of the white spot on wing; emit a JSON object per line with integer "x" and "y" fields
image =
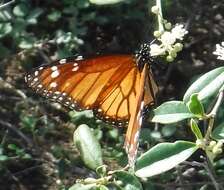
{"x": 75, "y": 64}
{"x": 79, "y": 58}
{"x": 55, "y": 74}
{"x": 62, "y": 61}
{"x": 35, "y": 79}
{"x": 40, "y": 68}
{"x": 53, "y": 84}
{"x": 54, "y": 68}
{"x": 36, "y": 73}
{"x": 75, "y": 68}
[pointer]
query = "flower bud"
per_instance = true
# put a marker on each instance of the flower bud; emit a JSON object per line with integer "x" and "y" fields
{"x": 168, "y": 25}
{"x": 169, "y": 58}
{"x": 157, "y": 34}
{"x": 178, "y": 47}
{"x": 155, "y": 9}
{"x": 173, "y": 53}
{"x": 219, "y": 144}
{"x": 216, "y": 150}
{"x": 211, "y": 145}
{"x": 89, "y": 180}
{"x": 200, "y": 143}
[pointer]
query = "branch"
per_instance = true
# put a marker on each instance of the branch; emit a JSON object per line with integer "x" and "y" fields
{"x": 160, "y": 16}
{"x": 7, "y": 4}
{"x": 18, "y": 132}
{"x": 212, "y": 115}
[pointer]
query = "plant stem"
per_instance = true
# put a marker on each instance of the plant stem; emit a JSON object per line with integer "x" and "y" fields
{"x": 208, "y": 166}
{"x": 7, "y": 4}
{"x": 212, "y": 115}
{"x": 160, "y": 16}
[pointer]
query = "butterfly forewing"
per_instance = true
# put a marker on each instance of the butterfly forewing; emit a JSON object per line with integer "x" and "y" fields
{"x": 105, "y": 84}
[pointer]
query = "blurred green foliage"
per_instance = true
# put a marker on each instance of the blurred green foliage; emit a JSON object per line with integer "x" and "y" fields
{"x": 42, "y": 31}
{"x": 64, "y": 24}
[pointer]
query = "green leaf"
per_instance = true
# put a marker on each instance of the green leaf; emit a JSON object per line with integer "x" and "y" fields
{"x": 168, "y": 130}
{"x": 12, "y": 147}
{"x": 155, "y": 135}
{"x": 105, "y": 2}
{"x": 88, "y": 147}
{"x": 171, "y": 112}
{"x": 195, "y": 129}
{"x": 79, "y": 186}
{"x": 129, "y": 182}
{"x": 3, "y": 158}
{"x": 195, "y": 106}
{"x": 29, "y": 122}
{"x": 26, "y": 43}
{"x": 5, "y": 28}
{"x": 54, "y": 16}
{"x": 113, "y": 134}
{"x": 20, "y": 10}
{"x": 163, "y": 157}
{"x": 32, "y": 17}
{"x": 206, "y": 85}
{"x": 4, "y": 51}
{"x": 82, "y": 4}
{"x": 102, "y": 187}
{"x": 222, "y": 88}
{"x": 218, "y": 132}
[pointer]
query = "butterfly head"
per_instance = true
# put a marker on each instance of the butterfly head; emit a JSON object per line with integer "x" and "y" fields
{"x": 143, "y": 56}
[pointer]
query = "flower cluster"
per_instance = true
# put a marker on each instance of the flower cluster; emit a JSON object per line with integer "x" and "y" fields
{"x": 219, "y": 51}
{"x": 169, "y": 38}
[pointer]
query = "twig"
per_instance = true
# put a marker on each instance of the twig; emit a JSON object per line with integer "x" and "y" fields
{"x": 180, "y": 176}
{"x": 20, "y": 186}
{"x": 6, "y": 85}
{"x": 4, "y": 137}
{"x": 27, "y": 170}
{"x": 7, "y": 4}
{"x": 15, "y": 130}
{"x": 212, "y": 115}
{"x": 160, "y": 16}
{"x": 208, "y": 166}
{"x": 174, "y": 185}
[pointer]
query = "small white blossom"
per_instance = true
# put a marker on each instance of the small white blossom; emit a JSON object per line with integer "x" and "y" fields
{"x": 169, "y": 42}
{"x": 156, "y": 50}
{"x": 155, "y": 9}
{"x": 219, "y": 51}
{"x": 179, "y": 31}
{"x": 167, "y": 39}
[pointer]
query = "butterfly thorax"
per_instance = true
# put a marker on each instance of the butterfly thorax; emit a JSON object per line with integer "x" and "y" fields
{"x": 143, "y": 56}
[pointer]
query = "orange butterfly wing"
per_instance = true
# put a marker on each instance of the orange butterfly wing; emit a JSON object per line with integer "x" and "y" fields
{"x": 112, "y": 86}
{"x": 105, "y": 84}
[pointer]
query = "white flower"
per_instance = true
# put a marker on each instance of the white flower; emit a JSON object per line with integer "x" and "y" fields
{"x": 179, "y": 31}
{"x": 156, "y": 50}
{"x": 167, "y": 39}
{"x": 219, "y": 51}
{"x": 168, "y": 42}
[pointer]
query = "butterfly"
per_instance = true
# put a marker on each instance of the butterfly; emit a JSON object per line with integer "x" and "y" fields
{"x": 118, "y": 88}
